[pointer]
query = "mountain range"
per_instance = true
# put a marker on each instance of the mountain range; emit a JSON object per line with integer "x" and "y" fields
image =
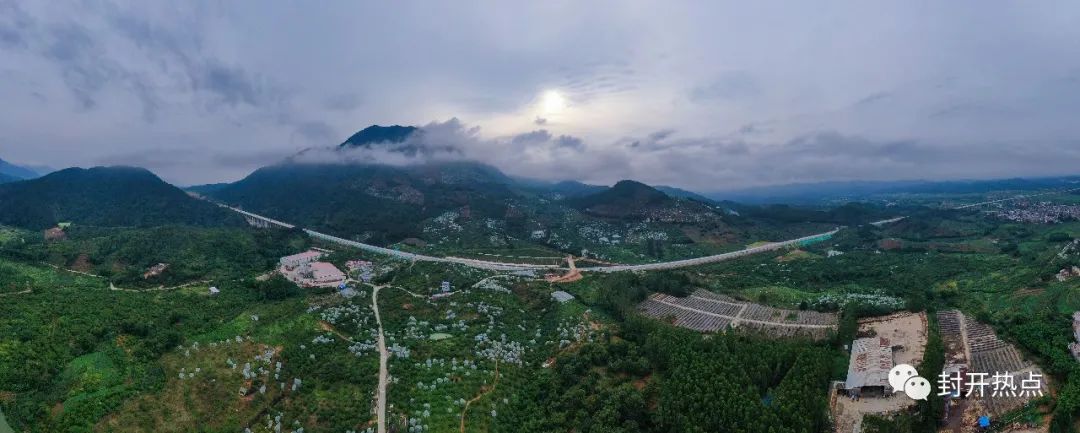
{"x": 815, "y": 193}
{"x": 105, "y": 196}
{"x": 10, "y": 172}
{"x": 385, "y": 204}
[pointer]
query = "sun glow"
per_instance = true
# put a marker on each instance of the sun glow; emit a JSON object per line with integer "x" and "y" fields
{"x": 552, "y": 102}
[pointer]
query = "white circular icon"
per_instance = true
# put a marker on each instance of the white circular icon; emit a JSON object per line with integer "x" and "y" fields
{"x": 918, "y": 388}
{"x": 899, "y": 375}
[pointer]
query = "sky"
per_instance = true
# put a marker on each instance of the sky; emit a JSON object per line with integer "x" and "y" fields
{"x": 708, "y": 96}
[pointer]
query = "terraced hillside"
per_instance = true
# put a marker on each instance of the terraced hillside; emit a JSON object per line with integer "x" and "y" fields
{"x": 709, "y": 312}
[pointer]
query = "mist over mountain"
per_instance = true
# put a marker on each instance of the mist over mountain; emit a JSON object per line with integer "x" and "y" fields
{"x": 387, "y": 202}
{"x": 376, "y": 134}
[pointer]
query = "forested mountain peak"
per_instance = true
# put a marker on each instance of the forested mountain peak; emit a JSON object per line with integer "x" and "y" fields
{"x": 104, "y": 196}
{"x": 16, "y": 171}
{"x": 625, "y": 198}
{"x": 379, "y": 134}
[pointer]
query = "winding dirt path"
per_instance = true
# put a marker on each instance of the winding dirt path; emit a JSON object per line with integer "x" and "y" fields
{"x": 157, "y": 289}
{"x": 483, "y": 392}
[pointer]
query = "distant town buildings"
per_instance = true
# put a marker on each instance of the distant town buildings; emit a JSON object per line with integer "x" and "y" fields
{"x": 1036, "y": 213}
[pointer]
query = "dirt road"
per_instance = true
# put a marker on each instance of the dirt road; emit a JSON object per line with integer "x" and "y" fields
{"x": 384, "y": 358}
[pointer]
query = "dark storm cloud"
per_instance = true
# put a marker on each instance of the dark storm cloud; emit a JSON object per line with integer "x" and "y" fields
{"x": 661, "y": 134}
{"x": 540, "y": 135}
{"x": 81, "y": 62}
{"x": 569, "y": 142}
{"x": 343, "y": 102}
{"x": 316, "y": 132}
{"x": 230, "y": 86}
{"x": 758, "y": 93}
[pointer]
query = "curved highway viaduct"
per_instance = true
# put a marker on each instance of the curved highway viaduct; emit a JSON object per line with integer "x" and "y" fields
{"x": 262, "y": 221}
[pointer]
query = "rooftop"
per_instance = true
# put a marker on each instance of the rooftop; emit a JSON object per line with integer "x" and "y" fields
{"x": 561, "y": 296}
{"x": 871, "y": 360}
{"x": 324, "y": 269}
{"x": 304, "y": 255}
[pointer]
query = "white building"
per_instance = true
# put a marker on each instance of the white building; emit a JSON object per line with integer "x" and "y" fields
{"x": 562, "y": 296}
{"x": 297, "y": 260}
{"x": 317, "y": 274}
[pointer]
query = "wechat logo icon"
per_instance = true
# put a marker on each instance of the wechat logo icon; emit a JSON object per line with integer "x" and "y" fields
{"x": 904, "y": 377}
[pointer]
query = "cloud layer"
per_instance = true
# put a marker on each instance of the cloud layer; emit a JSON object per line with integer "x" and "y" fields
{"x": 708, "y": 97}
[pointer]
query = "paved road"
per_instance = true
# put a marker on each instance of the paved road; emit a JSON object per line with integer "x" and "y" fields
{"x": 481, "y": 264}
{"x": 501, "y": 266}
{"x": 710, "y": 259}
{"x": 384, "y": 358}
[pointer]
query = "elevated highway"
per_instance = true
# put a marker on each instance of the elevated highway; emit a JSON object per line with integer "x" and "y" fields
{"x": 714, "y": 258}
{"x": 261, "y": 221}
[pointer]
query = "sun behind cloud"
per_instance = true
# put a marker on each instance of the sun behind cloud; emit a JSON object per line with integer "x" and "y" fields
{"x": 552, "y": 102}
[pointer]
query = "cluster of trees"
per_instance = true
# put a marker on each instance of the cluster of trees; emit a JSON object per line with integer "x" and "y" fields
{"x": 655, "y": 378}
{"x": 191, "y": 253}
{"x": 1047, "y": 336}
{"x": 105, "y": 196}
{"x": 44, "y": 332}
{"x": 388, "y": 203}
{"x": 619, "y": 293}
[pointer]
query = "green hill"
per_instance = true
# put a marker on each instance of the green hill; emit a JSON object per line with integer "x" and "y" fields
{"x": 625, "y": 199}
{"x": 105, "y": 196}
{"x": 379, "y": 134}
{"x": 385, "y": 203}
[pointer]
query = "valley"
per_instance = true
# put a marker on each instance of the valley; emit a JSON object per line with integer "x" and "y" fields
{"x": 539, "y": 217}
{"x": 475, "y": 328}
